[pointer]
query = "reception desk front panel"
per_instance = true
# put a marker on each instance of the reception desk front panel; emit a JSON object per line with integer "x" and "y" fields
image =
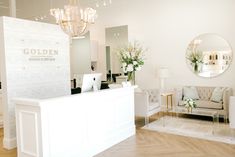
{"x": 81, "y": 125}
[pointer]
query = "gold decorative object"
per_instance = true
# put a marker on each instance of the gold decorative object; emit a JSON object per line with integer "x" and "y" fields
{"x": 73, "y": 19}
{"x": 190, "y": 109}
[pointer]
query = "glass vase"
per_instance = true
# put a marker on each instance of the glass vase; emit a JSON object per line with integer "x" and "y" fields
{"x": 195, "y": 67}
{"x": 131, "y": 77}
{"x": 190, "y": 109}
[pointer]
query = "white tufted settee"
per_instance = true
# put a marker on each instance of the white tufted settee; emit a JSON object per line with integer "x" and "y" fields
{"x": 147, "y": 103}
{"x": 205, "y": 103}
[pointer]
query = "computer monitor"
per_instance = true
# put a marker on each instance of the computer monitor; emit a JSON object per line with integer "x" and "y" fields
{"x": 91, "y": 82}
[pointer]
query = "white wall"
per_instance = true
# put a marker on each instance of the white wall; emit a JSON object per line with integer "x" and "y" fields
{"x": 166, "y": 27}
{"x": 34, "y": 64}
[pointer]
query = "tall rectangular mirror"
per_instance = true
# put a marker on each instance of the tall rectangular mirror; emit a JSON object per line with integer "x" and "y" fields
{"x": 115, "y": 38}
{"x": 80, "y": 57}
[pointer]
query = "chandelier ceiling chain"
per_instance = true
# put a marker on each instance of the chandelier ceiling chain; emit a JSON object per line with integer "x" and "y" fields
{"x": 74, "y": 19}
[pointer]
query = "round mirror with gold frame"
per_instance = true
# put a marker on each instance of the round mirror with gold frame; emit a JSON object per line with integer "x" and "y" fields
{"x": 208, "y": 55}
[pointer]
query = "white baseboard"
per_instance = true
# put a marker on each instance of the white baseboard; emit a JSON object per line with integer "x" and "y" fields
{"x": 9, "y": 143}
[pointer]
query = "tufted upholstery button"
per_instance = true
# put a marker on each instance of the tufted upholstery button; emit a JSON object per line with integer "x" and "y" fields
{"x": 205, "y": 92}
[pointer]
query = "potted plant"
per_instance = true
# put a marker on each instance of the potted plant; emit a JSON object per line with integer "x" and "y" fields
{"x": 131, "y": 58}
{"x": 189, "y": 104}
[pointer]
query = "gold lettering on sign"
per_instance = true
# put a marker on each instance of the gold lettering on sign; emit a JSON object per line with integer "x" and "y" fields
{"x": 33, "y": 51}
{"x": 40, "y": 54}
{"x": 51, "y": 52}
{"x": 26, "y": 51}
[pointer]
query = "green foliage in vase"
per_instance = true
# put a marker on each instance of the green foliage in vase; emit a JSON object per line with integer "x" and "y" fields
{"x": 195, "y": 57}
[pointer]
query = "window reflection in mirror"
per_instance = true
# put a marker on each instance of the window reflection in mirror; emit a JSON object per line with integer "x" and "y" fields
{"x": 209, "y": 55}
{"x": 115, "y": 38}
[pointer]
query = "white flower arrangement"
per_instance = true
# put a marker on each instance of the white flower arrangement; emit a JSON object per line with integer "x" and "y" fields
{"x": 131, "y": 58}
{"x": 189, "y": 103}
{"x": 195, "y": 58}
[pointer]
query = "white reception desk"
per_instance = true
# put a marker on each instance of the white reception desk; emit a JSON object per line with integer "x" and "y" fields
{"x": 80, "y": 125}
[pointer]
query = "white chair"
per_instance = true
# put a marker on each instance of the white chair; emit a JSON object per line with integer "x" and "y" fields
{"x": 147, "y": 103}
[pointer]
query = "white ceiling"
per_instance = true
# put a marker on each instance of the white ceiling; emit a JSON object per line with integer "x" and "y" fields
{"x": 4, "y": 3}
{"x": 31, "y": 9}
{"x": 4, "y": 9}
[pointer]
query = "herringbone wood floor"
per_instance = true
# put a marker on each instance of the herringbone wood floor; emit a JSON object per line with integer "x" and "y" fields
{"x": 4, "y": 152}
{"x": 154, "y": 144}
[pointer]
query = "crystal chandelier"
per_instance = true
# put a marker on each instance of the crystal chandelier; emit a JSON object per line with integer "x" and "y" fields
{"x": 73, "y": 19}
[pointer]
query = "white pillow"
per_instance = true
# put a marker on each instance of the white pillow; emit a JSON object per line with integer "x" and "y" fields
{"x": 217, "y": 94}
{"x": 190, "y": 92}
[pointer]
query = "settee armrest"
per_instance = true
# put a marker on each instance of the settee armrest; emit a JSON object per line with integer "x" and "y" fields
{"x": 153, "y": 95}
{"x": 226, "y": 95}
{"x": 141, "y": 103}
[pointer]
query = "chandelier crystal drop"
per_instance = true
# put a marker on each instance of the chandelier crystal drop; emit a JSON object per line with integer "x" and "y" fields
{"x": 73, "y": 19}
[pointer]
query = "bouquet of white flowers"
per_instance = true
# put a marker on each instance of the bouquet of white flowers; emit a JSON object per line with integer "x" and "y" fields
{"x": 189, "y": 104}
{"x": 131, "y": 58}
{"x": 196, "y": 58}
